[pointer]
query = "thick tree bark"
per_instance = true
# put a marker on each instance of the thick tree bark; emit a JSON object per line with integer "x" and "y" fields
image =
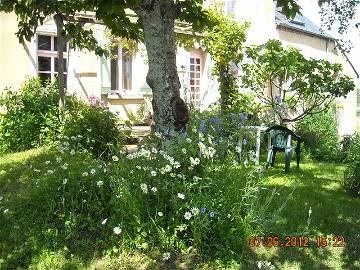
{"x": 60, "y": 64}
{"x": 158, "y": 22}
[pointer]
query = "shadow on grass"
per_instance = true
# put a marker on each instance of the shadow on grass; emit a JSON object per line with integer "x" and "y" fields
{"x": 334, "y": 213}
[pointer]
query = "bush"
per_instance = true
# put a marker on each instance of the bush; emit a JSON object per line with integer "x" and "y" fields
{"x": 351, "y": 180}
{"x": 92, "y": 127}
{"x": 320, "y": 135}
{"x": 30, "y": 116}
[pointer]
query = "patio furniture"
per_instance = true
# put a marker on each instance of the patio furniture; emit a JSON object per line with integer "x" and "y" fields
{"x": 280, "y": 140}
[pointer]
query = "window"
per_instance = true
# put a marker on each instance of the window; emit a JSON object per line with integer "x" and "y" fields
{"x": 124, "y": 68}
{"x": 195, "y": 79}
{"x": 47, "y": 58}
{"x": 229, "y": 7}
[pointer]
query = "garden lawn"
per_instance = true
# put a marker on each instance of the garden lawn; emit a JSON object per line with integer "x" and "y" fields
{"x": 334, "y": 213}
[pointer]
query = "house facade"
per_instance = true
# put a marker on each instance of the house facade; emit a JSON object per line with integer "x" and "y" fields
{"x": 121, "y": 82}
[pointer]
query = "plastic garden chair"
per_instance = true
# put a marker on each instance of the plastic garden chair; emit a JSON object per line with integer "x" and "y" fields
{"x": 279, "y": 140}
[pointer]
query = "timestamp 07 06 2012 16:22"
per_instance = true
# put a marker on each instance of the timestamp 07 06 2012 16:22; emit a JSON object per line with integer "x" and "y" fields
{"x": 296, "y": 241}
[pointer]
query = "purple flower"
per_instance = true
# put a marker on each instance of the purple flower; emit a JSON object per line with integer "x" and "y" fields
{"x": 240, "y": 125}
{"x": 244, "y": 116}
{"x": 278, "y": 98}
{"x": 245, "y": 142}
{"x": 203, "y": 210}
{"x": 212, "y": 214}
{"x": 217, "y": 128}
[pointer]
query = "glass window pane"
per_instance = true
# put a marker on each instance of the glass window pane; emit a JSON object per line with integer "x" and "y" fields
{"x": 198, "y": 61}
{"x": 191, "y": 60}
{"x": 65, "y": 65}
{"x": 44, "y": 63}
{"x": 44, "y": 43}
{"x": 197, "y": 68}
{"x": 55, "y": 45}
{"x": 44, "y": 77}
{"x": 192, "y": 68}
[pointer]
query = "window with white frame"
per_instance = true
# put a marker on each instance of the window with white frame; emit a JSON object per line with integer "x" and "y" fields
{"x": 195, "y": 78}
{"x": 47, "y": 58}
{"x": 121, "y": 65}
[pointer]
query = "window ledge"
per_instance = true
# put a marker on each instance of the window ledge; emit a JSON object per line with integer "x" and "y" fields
{"x": 130, "y": 94}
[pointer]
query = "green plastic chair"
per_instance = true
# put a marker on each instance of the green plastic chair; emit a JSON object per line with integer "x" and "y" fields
{"x": 279, "y": 140}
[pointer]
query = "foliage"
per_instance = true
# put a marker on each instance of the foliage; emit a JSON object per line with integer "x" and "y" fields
{"x": 320, "y": 135}
{"x": 30, "y": 117}
{"x": 351, "y": 180}
{"x": 193, "y": 195}
{"x": 224, "y": 43}
{"x": 291, "y": 85}
{"x": 92, "y": 127}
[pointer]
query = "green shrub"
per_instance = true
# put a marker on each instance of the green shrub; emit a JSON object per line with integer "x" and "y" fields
{"x": 320, "y": 135}
{"x": 30, "y": 116}
{"x": 92, "y": 127}
{"x": 351, "y": 180}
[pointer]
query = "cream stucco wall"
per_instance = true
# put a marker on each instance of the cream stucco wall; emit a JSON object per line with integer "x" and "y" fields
{"x": 15, "y": 62}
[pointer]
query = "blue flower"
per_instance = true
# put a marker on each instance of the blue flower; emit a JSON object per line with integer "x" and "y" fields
{"x": 184, "y": 135}
{"x": 203, "y": 210}
{"x": 202, "y": 126}
{"x": 245, "y": 142}
{"x": 240, "y": 125}
{"x": 244, "y": 116}
{"x": 212, "y": 214}
{"x": 217, "y": 128}
{"x": 214, "y": 120}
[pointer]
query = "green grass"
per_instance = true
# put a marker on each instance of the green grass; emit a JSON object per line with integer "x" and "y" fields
{"x": 24, "y": 230}
{"x": 334, "y": 213}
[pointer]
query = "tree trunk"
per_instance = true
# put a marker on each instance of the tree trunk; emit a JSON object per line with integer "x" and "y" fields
{"x": 60, "y": 64}
{"x": 158, "y": 23}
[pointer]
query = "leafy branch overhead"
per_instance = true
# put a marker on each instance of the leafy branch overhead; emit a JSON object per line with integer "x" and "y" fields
{"x": 291, "y": 85}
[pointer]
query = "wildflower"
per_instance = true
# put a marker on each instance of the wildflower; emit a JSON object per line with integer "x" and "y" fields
{"x": 166, "y": 256}
{"x": 181, "y": 196}
{"x": 195, "y": 211}
{"x": 194, "y": 161}
{"x": 168, "y": 168}
{"x": 187, "y": 215}
{"x": 214, "y": 120}
{"x": 158, "y": 134}
{"x": 202, "y": 126}
{"x": 154, "y": 189}
{"x": 104, "y": 221}
{"x": 154, "y": 150}
{"x": 160, "y": 214}
{"x": 153, "y": 173}
{"x": 144, "y": 188}
{"x": 203, "y": 210}
{"x": 85, "y": 174}
{"x": 212, "y": 214}
{"x": 47, "y": 162}
{"x": 244, "y": 116}
{"x": 65, "y": 181}
{"x": 245, "y": 142}
{"x": 58, "y": 159}
{"x": 196, "y": 178}
{"x": 64, "y": 166}
{"x": 99, "y": 183}
{"x": 188, "y": 140}
{"x": 184, "y": 151}
{"x": 115, "y": 158}
{"x": 117, "y": 230}
{"x": 238, "y": 149}
{"x": 217, "y": 128}
{"x": 72, "y": 152}
{"x": 6, "y": 210}
{"x": 50, "y": 171}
